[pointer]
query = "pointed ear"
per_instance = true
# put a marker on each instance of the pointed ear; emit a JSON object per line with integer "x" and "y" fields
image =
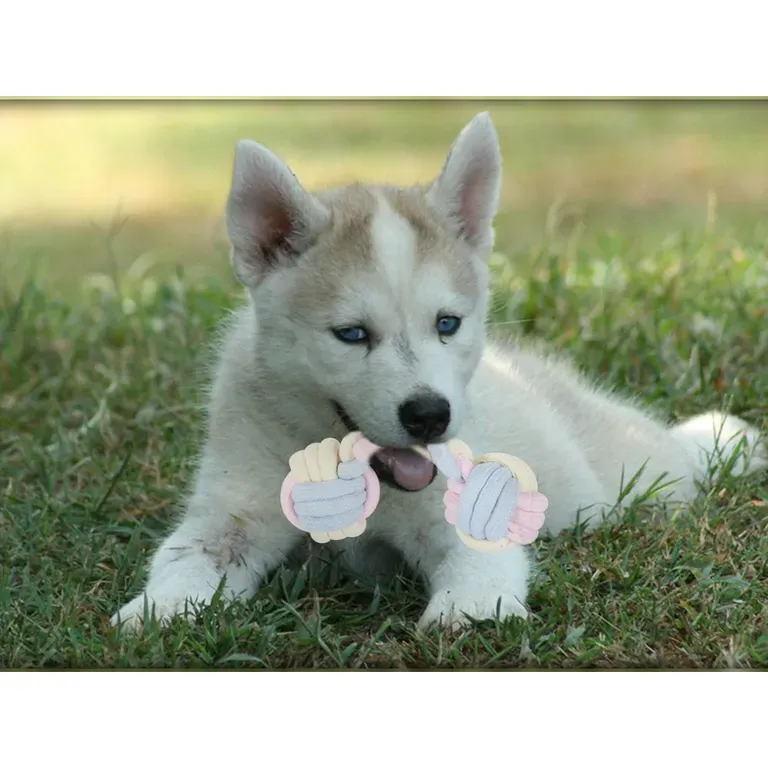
{"x": 466, "y": 192}
{"x": 271, "y": 219}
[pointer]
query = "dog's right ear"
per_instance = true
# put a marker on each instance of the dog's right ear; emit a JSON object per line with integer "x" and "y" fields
{"x": 271, "y": 218}
{"x": 467, "y": 190}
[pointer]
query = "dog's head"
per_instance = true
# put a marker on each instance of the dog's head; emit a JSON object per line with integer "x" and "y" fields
{"x": 374, "y": 298}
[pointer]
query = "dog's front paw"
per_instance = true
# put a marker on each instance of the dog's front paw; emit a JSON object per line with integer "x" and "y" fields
{"x": 454, "y": 609}
{"x": 131, "y": 616}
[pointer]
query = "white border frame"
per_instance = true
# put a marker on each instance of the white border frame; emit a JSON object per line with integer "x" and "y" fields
{"x": 463, "y": 718}
{"x": 401, "y": 48}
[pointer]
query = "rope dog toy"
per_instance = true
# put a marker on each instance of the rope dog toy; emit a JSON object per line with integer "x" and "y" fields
{"x": 331, "y": 490}
{"x": 492, "y": 501}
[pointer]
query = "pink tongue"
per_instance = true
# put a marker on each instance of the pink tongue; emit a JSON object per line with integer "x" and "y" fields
{"x": 410, "y": 470}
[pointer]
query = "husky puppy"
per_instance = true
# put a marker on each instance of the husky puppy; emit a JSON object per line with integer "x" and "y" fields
{"x": 367, "y": 310}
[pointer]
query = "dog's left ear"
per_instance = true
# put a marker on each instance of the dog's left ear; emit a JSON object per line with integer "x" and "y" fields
{"x": 271, "y": 218}
{"x": 467, "y": 190}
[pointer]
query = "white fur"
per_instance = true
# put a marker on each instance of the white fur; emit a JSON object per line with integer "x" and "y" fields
{"x": 394, "y": 245}
{"x": 277, "y": 372}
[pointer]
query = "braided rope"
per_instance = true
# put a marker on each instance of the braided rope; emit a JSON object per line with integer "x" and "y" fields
{"x": 331, "y": 489}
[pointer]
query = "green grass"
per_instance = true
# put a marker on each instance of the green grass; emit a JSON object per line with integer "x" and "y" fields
{"x": 630, "y": 236}
{"x": 101, "y": 419}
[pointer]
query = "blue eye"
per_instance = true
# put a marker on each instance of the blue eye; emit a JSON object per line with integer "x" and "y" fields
{"x": 351, "y": 335}
{"x": 447, "y": 325}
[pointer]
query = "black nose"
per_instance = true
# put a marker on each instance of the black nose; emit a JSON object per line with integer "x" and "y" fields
{"x": 425, "y": 417}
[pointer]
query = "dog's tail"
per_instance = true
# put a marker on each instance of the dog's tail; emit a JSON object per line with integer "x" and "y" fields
{"x": 717, "y": 442}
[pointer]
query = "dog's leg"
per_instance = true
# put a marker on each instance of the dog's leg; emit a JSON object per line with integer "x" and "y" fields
{"x": 465, "y": 584}
{"x": 212, "y": 547}
{"x": 462, "y": 580}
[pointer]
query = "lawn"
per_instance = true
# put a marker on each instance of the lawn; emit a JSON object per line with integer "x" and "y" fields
{"x": 632, "y": 237}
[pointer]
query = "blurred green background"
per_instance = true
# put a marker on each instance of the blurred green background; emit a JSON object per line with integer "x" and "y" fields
{"x": 92, "y": 187}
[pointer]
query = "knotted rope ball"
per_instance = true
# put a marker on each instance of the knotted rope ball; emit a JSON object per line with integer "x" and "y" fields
{"x": 331, "y": 489}
{"x": 492, "y": 501}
